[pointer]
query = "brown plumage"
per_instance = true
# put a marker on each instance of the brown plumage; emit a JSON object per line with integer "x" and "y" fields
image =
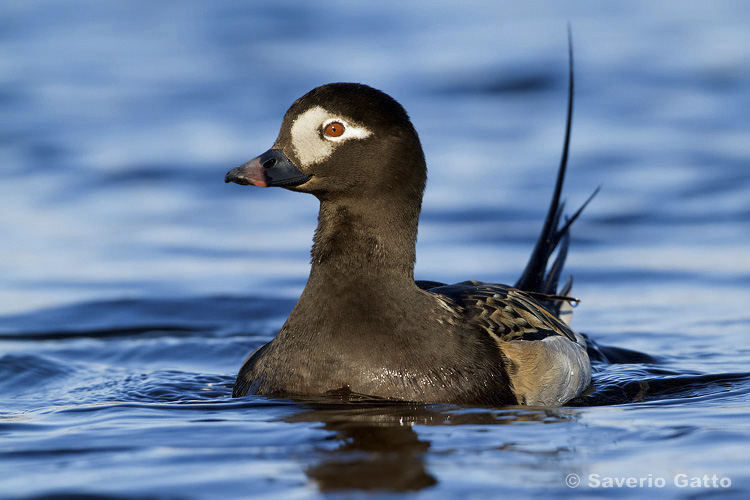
{"x": 363, "y": 325}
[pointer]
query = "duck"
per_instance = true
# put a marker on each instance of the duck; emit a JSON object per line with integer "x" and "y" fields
{"x": 363, "y": 325}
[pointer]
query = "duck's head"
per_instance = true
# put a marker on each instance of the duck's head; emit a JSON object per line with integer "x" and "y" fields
{"x": 339, "y": 141}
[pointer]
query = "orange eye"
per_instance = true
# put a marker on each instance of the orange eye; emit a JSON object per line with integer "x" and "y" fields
{"x": 334, "y": 129}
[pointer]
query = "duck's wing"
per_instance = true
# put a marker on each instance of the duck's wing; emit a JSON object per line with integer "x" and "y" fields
{"x": 504, "y": 312}
{"x": 545, "y": 360}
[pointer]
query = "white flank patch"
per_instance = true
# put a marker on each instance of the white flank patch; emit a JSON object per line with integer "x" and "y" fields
{"x": 310, "y": 145}
{"x": 573, "y": 368}
{"x": 550, "y": 371}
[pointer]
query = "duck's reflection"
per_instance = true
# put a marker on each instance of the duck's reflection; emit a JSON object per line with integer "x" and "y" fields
{"x": 378, "y": 448}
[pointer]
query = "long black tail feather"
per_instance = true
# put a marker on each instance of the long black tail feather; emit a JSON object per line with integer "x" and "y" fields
{"x": 535, "y": 278}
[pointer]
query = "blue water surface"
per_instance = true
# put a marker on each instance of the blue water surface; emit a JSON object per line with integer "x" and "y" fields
{"x": 133, "y": 281}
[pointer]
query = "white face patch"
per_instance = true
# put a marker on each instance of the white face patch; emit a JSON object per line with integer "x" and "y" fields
{"x": 310, "y": 145}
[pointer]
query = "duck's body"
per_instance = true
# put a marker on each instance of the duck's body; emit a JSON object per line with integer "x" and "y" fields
{"x": 471, "y": 343}
{"x": 362, "y": 324}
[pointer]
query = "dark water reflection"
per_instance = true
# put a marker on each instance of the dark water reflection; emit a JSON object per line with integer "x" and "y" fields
{"x": 377, "y": 447}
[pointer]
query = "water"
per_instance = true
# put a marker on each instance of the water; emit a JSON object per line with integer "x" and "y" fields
{"x": 133, "y": 281}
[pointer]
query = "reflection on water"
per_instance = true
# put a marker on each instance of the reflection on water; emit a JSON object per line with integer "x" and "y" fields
{"x": 379, "y": 449}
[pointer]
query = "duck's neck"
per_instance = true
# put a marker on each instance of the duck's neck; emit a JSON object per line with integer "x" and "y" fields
{"x": 361, "y": 287}
{"x": 359, "y": 242}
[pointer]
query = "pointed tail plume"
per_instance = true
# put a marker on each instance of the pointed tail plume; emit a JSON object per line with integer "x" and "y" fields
{"x": 535, "y": 279}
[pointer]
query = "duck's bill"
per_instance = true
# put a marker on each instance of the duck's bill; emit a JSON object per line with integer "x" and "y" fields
{"x": 272, "y": 168}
